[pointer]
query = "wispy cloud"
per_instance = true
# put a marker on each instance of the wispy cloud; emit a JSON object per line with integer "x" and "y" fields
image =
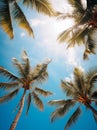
{"x": 36, "y": 22}
{"x": 22, "y": 34}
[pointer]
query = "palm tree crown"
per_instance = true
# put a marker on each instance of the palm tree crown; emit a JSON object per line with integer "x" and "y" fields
{"x": 81, "y": 90}
{"x": 85, "y": 26}
{"x": 27, "y": 80}
{"x": 10, "y": 11}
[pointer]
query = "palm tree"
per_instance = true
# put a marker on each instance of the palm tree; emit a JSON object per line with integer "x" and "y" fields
{"x": 80, "y": 91}
{"x": 10, "y": 11}
{"x": 26, "y": 81}
{"x": 84, "y": 28}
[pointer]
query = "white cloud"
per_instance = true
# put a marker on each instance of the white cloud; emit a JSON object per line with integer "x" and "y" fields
{"x": 22, "y": 34}
{"x": 36, "y": 22}
{"x": 49, "y": 29}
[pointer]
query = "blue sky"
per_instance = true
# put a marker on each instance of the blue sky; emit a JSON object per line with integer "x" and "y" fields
{"x": 43, "y": 46}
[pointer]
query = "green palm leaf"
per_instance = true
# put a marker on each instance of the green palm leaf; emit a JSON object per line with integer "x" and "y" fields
{"x": 9, "y": 96}
{"x": 20, "y": 18}
{"x": 61, "y": 111}
{"x": 42, "y": 92}
{"x": 57, "y": 102}
{"x": 5, "y": 18}
{"x": 37, "y": 101}
{"x": 42, "y": 6}
{"x": 74, "y": 117}
{"x": 8, "y": 85}
{"x": 28, "y": 102}
{"x": 8, "y": 74}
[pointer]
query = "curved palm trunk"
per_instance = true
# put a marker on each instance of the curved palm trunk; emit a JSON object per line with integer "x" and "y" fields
{"x": 92, "y": 109}
{"x": 14, "y": 123}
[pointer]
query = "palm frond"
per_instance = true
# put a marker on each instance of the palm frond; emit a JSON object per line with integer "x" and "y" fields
{"x": 43, "y": 92}
{"x": 9, "y": 96}
{"x": 77, "y": 6}
{"x": 37, "y": 101}
{"x": 19, "y": 67}
{"x": 57, "y": 102}
{"x": 94, "y": 95}
{"x": 61, "y": 111}
{"x": 79, "y": 79}
{"x": 5, "y": 18}
{"x": 8, "y": 86}
{"x": 39, "y": 73}
{"x": 28, "y": 102}
{"x": 78, "y": 9}
{"x": 20, "y": 18}
{"x": 91, "y": 78}
{"x": 65, "y": 35}
{"x": 78, "y": 35}
{"x": 42, "y": 6}
{"x": 26, "y": 65}
{"x": 67, "y": 88}
{"x": 8, "y": 74}
{"x": 91, "y": 45}
{"x": 95, "y": 117}
{"x": 74, "y": 117}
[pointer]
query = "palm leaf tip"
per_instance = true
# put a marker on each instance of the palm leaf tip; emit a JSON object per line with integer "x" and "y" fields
{"x": 37, "y": 101}
{"x": 57, "y": 102}
{"x": 9, "y": 96}
{"x": 74, "y": 117}
{"x": 43, "y": 92}
{"x": 57, "y": 113}
{"x": 21, "y": 19}
{"x": 28, "y": 103}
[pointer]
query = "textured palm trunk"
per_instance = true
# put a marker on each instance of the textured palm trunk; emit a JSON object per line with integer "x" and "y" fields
{"x": 14, "y": 123}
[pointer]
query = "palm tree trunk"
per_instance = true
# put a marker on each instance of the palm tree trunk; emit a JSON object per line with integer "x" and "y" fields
{"x": 92, "y": 109}
{"x": 14, "y": 123}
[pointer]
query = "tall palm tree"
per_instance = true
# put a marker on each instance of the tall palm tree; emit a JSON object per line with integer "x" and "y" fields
{"x": 84, "y": 27}
{"x": 80, "y": 91}
{"x": 10, "y": 11}
{"x": 26, "y": 81}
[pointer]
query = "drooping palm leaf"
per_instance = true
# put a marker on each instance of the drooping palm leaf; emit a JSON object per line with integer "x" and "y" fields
{"x": 20, "y": 18}
{"x": 74, "y": 117}
{"x": 8, "y": 74}
{"x": 95, "y": 117}
{"x": 5, "y": 18}
{"x": 28, "y": 102}
{"x": 37, "y": 101}
{"x": 91, "y": 44}
{"x": 62, "y": 110}
{"x": 57, "y": 102}
{"x": 42, "y": 6}
{"x": 9, "y": 96}
{"x": 10, "y": 85}
{"x": 42, "y": 92}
